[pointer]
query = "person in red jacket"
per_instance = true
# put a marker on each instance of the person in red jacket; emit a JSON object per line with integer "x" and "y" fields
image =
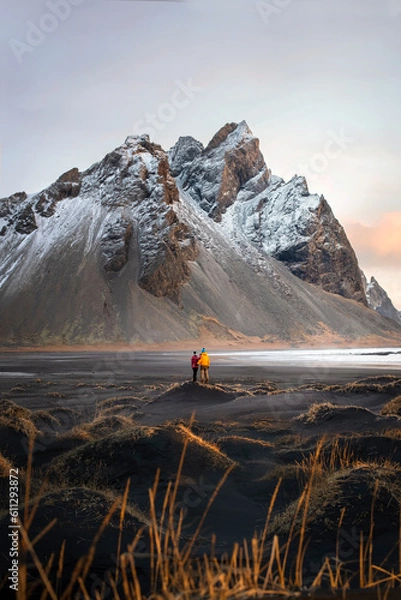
{"x": 194, "y": 365}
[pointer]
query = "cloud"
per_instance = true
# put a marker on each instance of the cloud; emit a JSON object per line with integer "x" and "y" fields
{"x": 379, "y": 244}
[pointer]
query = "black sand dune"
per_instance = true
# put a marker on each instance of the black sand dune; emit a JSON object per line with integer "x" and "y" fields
{"x": 95, "y": 434}
{"x": 329, "y": 418}
{"x": 196, "y": 393}
{"x": 76, "y": 515}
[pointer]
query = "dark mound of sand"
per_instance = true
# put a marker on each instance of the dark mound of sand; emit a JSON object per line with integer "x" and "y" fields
{"x": 16, "y": 427}
{"x": 79, "y": 435}
{"x": 56, "y": 419}
{"x": 19, "y": 425}
{"x": 127, "y": 405}
{"x": 333, "y": 417}
{"x": 362, "y": 449}
{"x": 244, "y": 449}
{"x": 79, "y": 514}
{"x": 245, "y": 424}
{"x": 193, "y": 393}
{"x": 265, "y": 388}
{"x": 336, "y": 522}
{"x": 381, "y": 383}
{"x": 138, "y": 453}
{"x": 103, "y": 426}
{"x": 347, "y": 450}
{"x": 17, "y": 418}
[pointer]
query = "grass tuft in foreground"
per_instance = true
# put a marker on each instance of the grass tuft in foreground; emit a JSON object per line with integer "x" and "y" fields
{"x": 163, "y": 562}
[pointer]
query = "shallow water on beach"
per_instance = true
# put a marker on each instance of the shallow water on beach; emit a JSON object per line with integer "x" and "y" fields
{"x": 372, "y": 357}
{"x": 88, "y": 364}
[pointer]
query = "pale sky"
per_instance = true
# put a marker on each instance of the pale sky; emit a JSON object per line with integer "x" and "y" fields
{"x": 318, "y": 82}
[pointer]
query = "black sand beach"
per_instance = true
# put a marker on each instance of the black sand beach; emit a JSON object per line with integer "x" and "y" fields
{"x": 101, "y": 420}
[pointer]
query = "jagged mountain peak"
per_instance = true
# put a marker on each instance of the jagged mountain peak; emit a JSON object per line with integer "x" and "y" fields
{"x": 232, "y": 184}
{"x": 231, "y": 162}
{"x": 184, "y": 151}
{"x": 379, "y": 300}
{"x": 299, "y": 182}
{"x": 141, "y": 144}
{"x": 288, "y": 223}
{"x": 231, "y": 134}
{"x": 135, "y": 140}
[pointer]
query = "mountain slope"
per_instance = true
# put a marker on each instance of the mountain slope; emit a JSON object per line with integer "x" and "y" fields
{"x": 122, "y": 253}
{"x": 65, "y": 274}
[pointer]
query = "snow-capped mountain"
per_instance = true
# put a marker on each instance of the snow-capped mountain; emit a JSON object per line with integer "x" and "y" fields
{"x": 230, "y": 163}
{"x": 231, "y": 182}
{"x": 126, "y": 252}
{"x": 379, "y": 300}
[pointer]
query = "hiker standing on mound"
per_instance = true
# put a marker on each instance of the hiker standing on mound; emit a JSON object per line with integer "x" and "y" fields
{"x": 204, "y": 363}
{"x": 195, "y": 367}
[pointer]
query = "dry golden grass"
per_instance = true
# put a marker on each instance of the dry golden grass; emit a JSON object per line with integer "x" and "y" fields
{"x": 260, "y": 567}
{"x": 11, "y": 409}
{"x": 381, "y": 384}
{"x": 76, "y": 433}
{"x": 55, "y": 395}
{"x": 322, "y": 411}
{"x": 218, "y": 457}
{"x": 257, "y": 568}
{"x": 338, "y": 458}
{"x": 393, "y": 433}
{"x": 247, "y": 440}
{"x": 17, "y": 418}
{"x": 126, "y": 401}
{"x": 18, "y": 388}
{"x": 384, "y": 383}
{"x": 316, "y": 411}
{"x": 5, "y": 466}
{"x": 338, "y": 455}
{"x": 282, "y": 472}
{"x": 294, "y": 441}
{"x": 272, "y": 427}
{"x": 101, "y": 426}
{"x": 335, "y": 459}
{"x": 45, "y": 417}
{"x": 393, "y": 407}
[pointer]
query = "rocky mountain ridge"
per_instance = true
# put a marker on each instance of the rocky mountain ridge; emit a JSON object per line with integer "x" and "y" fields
{"x": 231, "y": 182}
{"x": 146, "y": 246}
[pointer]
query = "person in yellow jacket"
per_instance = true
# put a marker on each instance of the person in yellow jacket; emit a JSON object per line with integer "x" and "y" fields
{"x": 204, "y": 363}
